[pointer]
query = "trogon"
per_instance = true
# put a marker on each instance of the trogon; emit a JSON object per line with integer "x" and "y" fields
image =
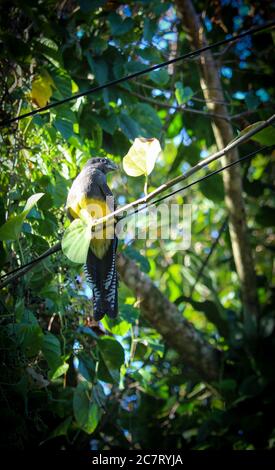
{"x": 90, "y": 192}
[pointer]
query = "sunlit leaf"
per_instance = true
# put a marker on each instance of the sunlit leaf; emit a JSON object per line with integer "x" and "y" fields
{"x": 31, "y": 202}
{"x": 142, "y": 156}
{"x": 42, "y": 89}
{"x": 76, "y": 241}
{"x": 12, "y": 228}
{"x": 58, "y": 371}
{"x": 116, "y": 326}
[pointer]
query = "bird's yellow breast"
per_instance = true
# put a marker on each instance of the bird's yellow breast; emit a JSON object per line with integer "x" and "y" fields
{"x": 96, "y": 208}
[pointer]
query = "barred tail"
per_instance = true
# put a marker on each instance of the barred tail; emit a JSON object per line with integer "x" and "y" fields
{"x": 101, "y": 274}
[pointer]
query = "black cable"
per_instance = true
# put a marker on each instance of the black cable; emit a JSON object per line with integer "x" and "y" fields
{"x": 141, "y": 72}
{"x": 34, "y": 261}
{"x": 156, "y": 201}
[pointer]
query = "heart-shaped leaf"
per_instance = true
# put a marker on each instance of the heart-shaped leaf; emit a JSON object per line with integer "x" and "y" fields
{"x": 76, "y": 241}
{"x": 142, "y": 156}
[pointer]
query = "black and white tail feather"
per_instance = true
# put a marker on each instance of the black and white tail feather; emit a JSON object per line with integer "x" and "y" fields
{"x": 102, "y": 276}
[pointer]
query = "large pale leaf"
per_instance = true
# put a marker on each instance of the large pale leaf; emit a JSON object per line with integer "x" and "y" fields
{"x": 142, "y": 156}
{"x": 76, "y": 241}
{"x": 12, "y": 228}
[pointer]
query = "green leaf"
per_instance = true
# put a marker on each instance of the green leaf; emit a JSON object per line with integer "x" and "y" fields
{"x": 147, "y": 119}
{"x": 149, "y": 29}
{"x": 175, "y": 126}
{"x": 87, "y": 413}
{"x": 112, "y": 354}
{"x": 97, "y": 136}
{"x": 12, "y": 228}
{"x": 51, "y": 350}
{"x": 65, "y": 127}
{"x": 31, "y": 202}
{"x": 61, "y": 429}
{"x": 128, "y": 126}
{"x": 58, "y": 192}
{"x": 252, "y": 101}
{"x": 87, "y": 6}
{"x": 183, "y": 94}
{"x": 120, "y": 26}
{"x": 139, "y": 258}
{"x": 63, "y": 88}
{"x": 117, "y": 327}
{"x": 76, "y": 241}
{"x": 86, "y": 366}
{"x": 212, "y": 188}
{"x": 156, "y": 346}
{"x": 57, "y": 372}
{"x": 128, "y": 313}
{"x": 103, "y": 373}
{"x": 108, "y": 123}
{"x": 264, "y": 137}
{"x": 150, "y": 53}
{"x": 30, "y": 337}
{"x": 159, "y": 77}
{"x": 99, "y": 68}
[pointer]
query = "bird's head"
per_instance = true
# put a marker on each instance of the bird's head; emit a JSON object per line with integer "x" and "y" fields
{"x": 103, "y": 164}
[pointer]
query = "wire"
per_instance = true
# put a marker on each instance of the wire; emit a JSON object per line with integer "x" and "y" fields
{"x": 137, "y": 74}
{"x": 156, "y": 201}
{"x": 50, "y": 251}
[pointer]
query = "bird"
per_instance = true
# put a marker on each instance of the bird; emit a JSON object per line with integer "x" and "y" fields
{"x": 90, "y": 193}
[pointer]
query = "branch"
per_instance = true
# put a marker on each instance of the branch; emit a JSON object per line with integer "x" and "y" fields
{"x": 164, "y": 316}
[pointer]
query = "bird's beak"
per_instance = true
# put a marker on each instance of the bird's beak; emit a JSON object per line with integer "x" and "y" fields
{"x": 112, "y": 166}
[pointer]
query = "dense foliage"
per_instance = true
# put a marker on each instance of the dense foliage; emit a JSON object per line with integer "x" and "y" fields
{"x": 64, "y": 382}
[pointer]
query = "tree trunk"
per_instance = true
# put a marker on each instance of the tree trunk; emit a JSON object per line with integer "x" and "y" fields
{"x": 169, "y": 322}
{"x": 223, "y": 132}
